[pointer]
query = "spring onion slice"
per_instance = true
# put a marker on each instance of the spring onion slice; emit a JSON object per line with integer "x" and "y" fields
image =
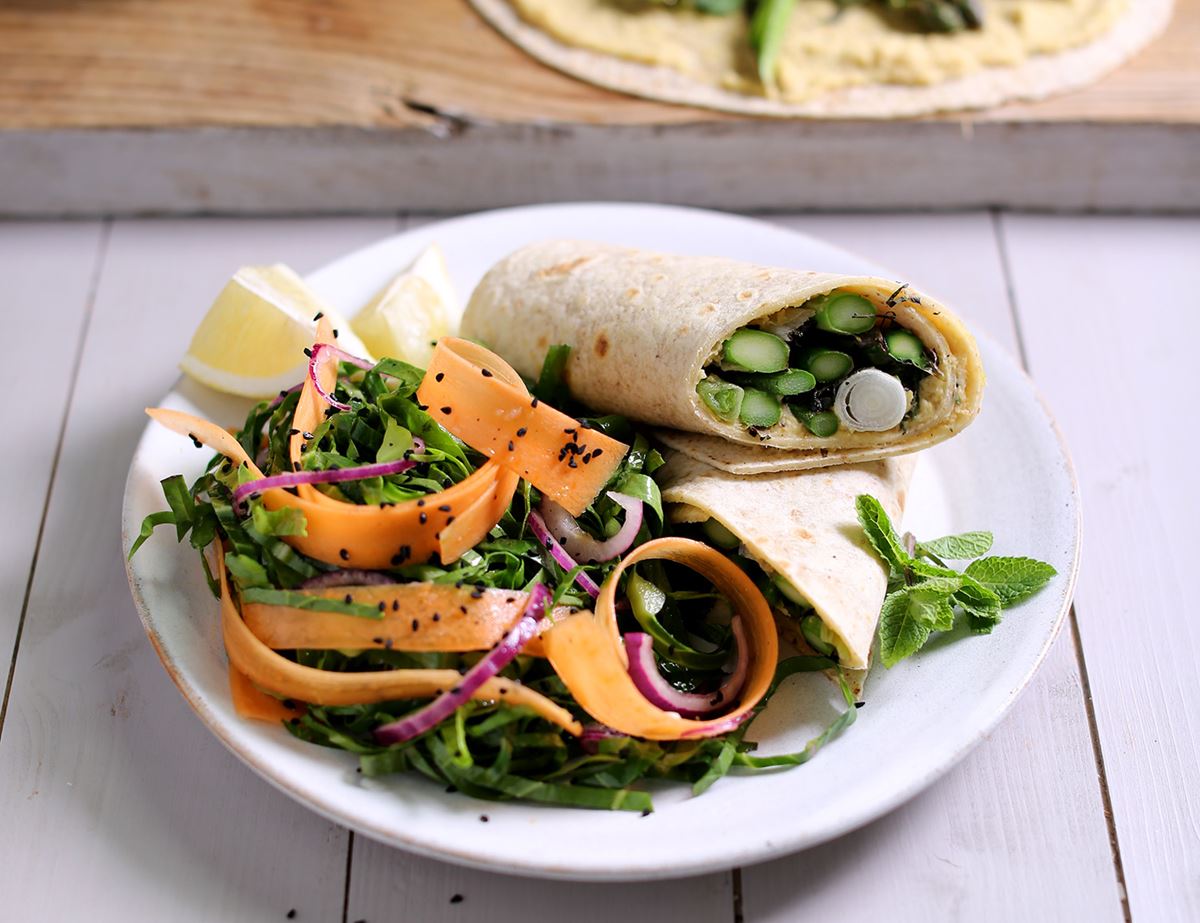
{"x": 870, "y": 401}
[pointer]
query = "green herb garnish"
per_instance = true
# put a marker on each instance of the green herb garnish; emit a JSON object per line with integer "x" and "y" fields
{"x": 924, "y": 595}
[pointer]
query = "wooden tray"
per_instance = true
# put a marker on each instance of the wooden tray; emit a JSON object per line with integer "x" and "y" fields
{"x": 290, "y": 105}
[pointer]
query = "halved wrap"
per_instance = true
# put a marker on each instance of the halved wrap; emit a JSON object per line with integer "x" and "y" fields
{"x": 741, "y": 362}
{"x": 802, "y": 526}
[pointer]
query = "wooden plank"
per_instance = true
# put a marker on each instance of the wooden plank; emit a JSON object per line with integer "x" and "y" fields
{"x": 1017, "y": 831}
{"x": 284, "y": 63}
{"x": 287, "y": 105}
{"x": 47, "y": 271}
{"x": 118, "y": 805}
{"x": 1120, "y": 382}
{"x": 387, "y": 884}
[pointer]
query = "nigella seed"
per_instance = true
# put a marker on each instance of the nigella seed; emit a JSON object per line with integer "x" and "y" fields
{"x": 859, "y": 704}
{"x": 510, "y": 599}
{"x": 445, "y": 508}
{"x": 511, "y": 445}
{"x": 420, "y": 503}
{"x": 521, "y": 432}
{"x": 423, "y": 518}
{"x": 383, "y": 607}
{"x": 597, "y": 453}
{"x": 437, "y": 616}
{"x": 377, "y": 640}
{"x": 534, "y": 402}
{"x": 456, "y": 899}
{"x": 415, "y": 624}
{"x": 439, "y": 376}
{"x": 318, "y": 316}
{"x": 483, "y": 818}
{"x": 449, "y": 519}
{"x": 486, "y": 373}
{"x": 308, "y": 352}
{"x": 447, "y": 410}
{"x": 344, "y": 554}
{"x": 349, "y": 599}
{"x": 294, "y": 432}
{"x": 335, "y": 333}
{"x": 395, "y": 605}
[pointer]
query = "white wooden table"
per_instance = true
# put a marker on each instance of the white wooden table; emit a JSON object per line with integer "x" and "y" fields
{"x": 117, "y": 805}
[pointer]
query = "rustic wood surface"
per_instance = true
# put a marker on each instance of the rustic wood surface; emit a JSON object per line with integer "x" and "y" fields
{"x": 253, "y": 106}
{"x": 118, "y": 805}
{"x": 304, "y": 63}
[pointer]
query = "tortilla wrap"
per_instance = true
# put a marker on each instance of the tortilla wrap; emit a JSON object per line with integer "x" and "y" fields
{"x": 1037, "y": 77}
{"x": 803, "y": 526}
{"x": 643, "y": 326}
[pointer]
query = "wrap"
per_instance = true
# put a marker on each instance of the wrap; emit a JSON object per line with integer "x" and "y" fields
{"x": 802, "y": 526}
{"x": 643, "y": 326}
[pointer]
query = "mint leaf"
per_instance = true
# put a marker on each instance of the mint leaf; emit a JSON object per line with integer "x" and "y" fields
{"x": 958, "y": 547}
{"x": 980, "y": 606}
{"x": 878, "y": 528}
{"x": 1011, "y": 579}
{"x": 908, "y": 616}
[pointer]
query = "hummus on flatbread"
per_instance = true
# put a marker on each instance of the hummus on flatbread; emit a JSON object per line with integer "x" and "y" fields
{"x": 828, "y": 47}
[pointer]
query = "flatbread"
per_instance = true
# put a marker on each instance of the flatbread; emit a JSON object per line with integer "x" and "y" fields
{"x": 803, "y": 526}
{"x": 1036, "y": 78}
{"x": 643, "y": 326}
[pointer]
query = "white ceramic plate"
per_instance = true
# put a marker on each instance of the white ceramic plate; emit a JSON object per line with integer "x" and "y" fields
{"x": 1009, "y": 473}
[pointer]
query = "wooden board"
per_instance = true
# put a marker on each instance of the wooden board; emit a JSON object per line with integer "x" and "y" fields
{"x": 335, "y": 105}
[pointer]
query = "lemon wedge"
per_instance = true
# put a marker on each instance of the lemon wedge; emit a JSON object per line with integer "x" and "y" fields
{"x": 252, "y": 340}
{"x": 412, "y": 312}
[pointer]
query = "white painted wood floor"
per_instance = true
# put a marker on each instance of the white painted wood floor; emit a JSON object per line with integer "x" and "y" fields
{"x": 116, "y": 804}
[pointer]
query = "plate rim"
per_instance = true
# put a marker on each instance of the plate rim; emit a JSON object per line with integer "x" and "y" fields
{"x": 545, "y": 868}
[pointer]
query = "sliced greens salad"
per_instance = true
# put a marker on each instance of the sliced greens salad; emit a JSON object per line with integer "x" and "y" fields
{"x": 461, "y": 574}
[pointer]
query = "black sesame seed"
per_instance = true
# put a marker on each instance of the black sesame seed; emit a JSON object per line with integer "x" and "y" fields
{"x": 420, "y": 503}
{"x": 318, "y": 316}
{"x": 423, "y": 518}
{"x": 291, "y": 914}
{"x": 437, "y": 616}
{"x": 395, "y": 605}
{"x": 335, "y": 333}
{"x": 534, "y": 402}
{"x": 416, "y": 624}
{"x": 344, "y": 554}
{"x": 308, "y": 352}
{"x": 445, "y": 507}
{"x": 377, "y": 640}
{"x": 307, "y": 435}
{"x": 439, "y": 376}
{"x": 447, "y": 410}
{"x": 383, "y": 607}
{"x": 597, "y": 453}
{"x": 859, "y": 704}
{"x": 521, "y": 432}
{"x": 388, "y": 644}
{"x": 483, "y": 818}
{"x": 511, "y": 445}
{"x": 349, "y": 599}
{"x": 486, "y": 373}
{"x": 457, "y": 899}
{"x": 449, "y": 519}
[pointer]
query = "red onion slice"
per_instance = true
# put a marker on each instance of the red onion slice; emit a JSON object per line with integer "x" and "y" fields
{"x": 320, "y": 353}
{"x": 643, "y": 670}
{"x": 282, "y": 394}
{"x": 565, "y": 561}
{"x": 580, "y": 545}
{"x": 328, "y": 476}
{"x": 429, "y": 716}
{"x": 346, "y": 577}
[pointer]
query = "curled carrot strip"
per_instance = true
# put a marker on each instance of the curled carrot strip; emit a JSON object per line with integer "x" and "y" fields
{"x": 478, "y": 397}
{"x": 276, "y": 674}
{"x": 587, "y": 653}
{"x": 413, "y": 617}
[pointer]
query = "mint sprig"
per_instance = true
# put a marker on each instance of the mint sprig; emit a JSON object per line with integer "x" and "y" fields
{"x": 924, "y": 595}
